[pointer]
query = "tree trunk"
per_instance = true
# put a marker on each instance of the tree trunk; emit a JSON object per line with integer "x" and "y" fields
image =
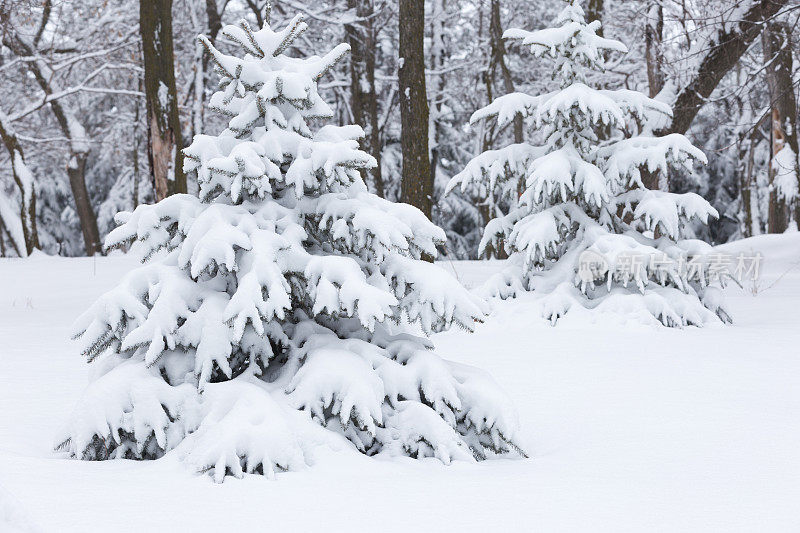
{"x": 653, "y": 33}
{"x": 374, "y": 130}
{"x": 417, "y": 186}
{"x": 747, "y": 189}
{"x": 363, "y": 94}
{"x": 214, "y": 17}
{"x": 655, "y": 180}
{"x": 198, "y": 89}
{"x": 594, "y": 12}
{"x": 26, "y": 186}
{"x": 210, "y": 28}
{"x": 76, "y": 170}
{"x": 439, "y": 80}
{"x": 776, "y": 40}
{"x": 163, "y": 122}
{"x": 135, "y": 151}
{"x": 499, "y": 60}
{"x": 2, "y": 242}
{"x": 777, "y": 213}
{"x": 748, "y": 201}
{"x": 653, "y": 36}
{"x": 723, "y": 54}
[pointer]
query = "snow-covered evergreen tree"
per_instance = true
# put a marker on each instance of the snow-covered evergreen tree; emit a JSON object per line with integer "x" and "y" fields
{"x": 583, "y": 228}
{"x": 267, "y": 303}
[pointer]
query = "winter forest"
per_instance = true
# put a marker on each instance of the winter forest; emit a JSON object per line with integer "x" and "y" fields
{"x": 99, "y": 98}
{"x": 399, "y": 258}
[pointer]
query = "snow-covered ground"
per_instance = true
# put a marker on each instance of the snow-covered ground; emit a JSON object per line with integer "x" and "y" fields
{"x": 629, "y": 427}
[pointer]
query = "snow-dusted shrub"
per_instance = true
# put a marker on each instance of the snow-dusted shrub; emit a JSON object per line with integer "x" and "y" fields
{"x": 269, "y": 305}
{"x": 583, "y": 228}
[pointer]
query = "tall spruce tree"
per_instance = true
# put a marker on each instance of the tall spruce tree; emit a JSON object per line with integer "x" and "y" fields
{"x": 268, "y": 303}
{"x": 585, "y": 230}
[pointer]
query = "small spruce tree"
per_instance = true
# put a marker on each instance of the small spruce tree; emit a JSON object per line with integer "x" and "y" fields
{"x": 267, "y": 303}
{"x": 582, "y": 228}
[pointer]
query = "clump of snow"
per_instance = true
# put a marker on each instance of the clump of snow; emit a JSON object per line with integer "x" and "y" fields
{"x": 785, "y": 166}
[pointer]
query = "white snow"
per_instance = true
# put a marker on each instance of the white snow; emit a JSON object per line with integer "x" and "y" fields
{"x": 785, "y": 164}
{"x": 629, "y": 427}
{"x": 13, "y": 518}
{"x": 11, "y": 221}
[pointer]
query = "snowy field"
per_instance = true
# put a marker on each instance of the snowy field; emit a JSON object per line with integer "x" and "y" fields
{"x": 629, "y": 427}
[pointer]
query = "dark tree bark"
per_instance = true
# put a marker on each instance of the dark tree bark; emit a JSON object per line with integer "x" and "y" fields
{"x": 361, "y": 37}
{"x": 163, "y": 121}
{"x": 653, "y": 37}
{"x": 76, "y": 170}
{"x": 747, "y": 143}
{"x": 776, "y": 40}
{"x": 745, "y": 169}
{"x": 135, "y": 150}
{"x": 724, "y": 53}
{"x": 2, "y": 242}
{"x": 214, "y": 19}
{"x": 212, "y": 27}
{"x": 594, "y": 12}
{"x": 499, "y": 60}
{"x": 417, "y": 186}
{"x": 27, "y": 192}
{"x": 438, "y": 80}
{"x": 655, "y": 77}
{"x": 260, "y": 10}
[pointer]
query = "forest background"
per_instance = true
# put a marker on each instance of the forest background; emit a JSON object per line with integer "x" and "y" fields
{"x": 98, "y": 97}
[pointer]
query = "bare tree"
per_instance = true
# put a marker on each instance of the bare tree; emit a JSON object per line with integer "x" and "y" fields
{"x": 70, "y": 126}
{"x": 748, "y": 189}
{"x": 206, "y": 20}
{"x": 164, "y": 128}
{"x": 362, "y": 38}
{"x": 27, "y": 191}
{"x": 776, "y": 40}
{"x": 499, "y": 60}
{"x": 135, "y": 149}
{"x": 438, "y": 80}
{"x": 654, "y": 55}
{"x": 722, "y": 54}
{"x": 417, "y": 185}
